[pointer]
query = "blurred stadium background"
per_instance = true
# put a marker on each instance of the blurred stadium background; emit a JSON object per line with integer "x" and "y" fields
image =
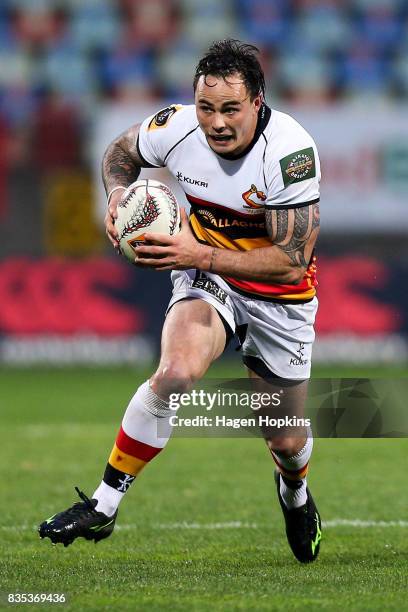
{"x": 74, "y": 73}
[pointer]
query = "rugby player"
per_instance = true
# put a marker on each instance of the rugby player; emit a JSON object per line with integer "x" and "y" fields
{"x": 242, "y": 263}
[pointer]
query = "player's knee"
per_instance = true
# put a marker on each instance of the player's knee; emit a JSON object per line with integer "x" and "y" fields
{"x": 285, "y": 445}
{"x": 174, "y": 377}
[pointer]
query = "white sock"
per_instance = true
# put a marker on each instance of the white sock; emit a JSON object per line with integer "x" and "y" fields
{"x": 144, "y": 433}
{"x": 293, "y": 498}
{"x": 108, "y": 499}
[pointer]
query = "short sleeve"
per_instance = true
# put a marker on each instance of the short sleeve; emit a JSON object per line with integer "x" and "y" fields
{"x": 293, "y": 176}
{"x": 157, "y": 135}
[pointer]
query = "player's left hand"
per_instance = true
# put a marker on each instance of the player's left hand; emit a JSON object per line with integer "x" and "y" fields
{"x": 179, "y": 252}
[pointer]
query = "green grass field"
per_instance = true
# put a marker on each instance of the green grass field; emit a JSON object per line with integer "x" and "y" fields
{"x": 201, "y": 529}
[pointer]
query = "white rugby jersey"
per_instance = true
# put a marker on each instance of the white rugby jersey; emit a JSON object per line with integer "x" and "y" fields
{"x": 228, "y": 196}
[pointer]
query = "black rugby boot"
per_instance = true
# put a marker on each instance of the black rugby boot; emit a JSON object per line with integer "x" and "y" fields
{"x": 79, "y": 521}
{"x": 303, "y": 527}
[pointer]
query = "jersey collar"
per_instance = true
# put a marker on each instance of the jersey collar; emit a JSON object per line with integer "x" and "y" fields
{"x": 263, "y": 119}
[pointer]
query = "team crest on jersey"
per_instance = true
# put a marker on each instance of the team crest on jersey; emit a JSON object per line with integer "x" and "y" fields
{"x": 252, "y": 192}
{"x": 298, "y": 166}
{"x": 162, "y": 118}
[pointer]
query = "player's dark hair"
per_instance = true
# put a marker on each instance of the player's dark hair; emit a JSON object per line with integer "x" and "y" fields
{"x": 229, "y": 56}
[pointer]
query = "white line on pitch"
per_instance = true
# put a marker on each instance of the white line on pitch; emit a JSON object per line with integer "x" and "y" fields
{"x": 363, "y": 524}
{"x": 227, "y": 525}
{"x": 355, "y": 523}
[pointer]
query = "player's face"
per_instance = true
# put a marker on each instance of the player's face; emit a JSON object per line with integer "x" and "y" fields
{"x": 226, "y": 113}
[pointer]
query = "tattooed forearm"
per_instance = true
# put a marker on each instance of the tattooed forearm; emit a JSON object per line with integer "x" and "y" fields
{"x": 121, "y": 164}
{"x": 294, "y": 230}
{"x": 118, "y": 168}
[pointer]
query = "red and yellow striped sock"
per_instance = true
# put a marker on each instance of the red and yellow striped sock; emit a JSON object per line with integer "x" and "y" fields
{"x": 144, "y": 432}
{"x": 294, "y": 475}
{"x": 127, "y": 459}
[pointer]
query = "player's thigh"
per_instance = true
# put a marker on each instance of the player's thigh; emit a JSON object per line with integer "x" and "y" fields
{"x": 281, "y": 336}
{"x": 193, "y": 337}
{"x": 278, "y": 349}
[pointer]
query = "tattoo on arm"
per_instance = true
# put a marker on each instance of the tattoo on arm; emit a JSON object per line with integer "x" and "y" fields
{"x": 121, "y": 163}
{"x": 290, "y": 229}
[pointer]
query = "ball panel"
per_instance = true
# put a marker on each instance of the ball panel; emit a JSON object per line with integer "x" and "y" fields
{"x": 173, "y": 209}
{"x": 146, "y": 206}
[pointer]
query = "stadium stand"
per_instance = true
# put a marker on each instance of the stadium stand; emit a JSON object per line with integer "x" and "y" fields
{"x": 71, "y": 66}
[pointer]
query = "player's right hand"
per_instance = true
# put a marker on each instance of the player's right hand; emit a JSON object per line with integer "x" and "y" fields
{"x": 110, "y": 217}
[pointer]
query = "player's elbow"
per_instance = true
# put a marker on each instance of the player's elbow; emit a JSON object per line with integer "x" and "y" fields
{"x": 294, "y": 275}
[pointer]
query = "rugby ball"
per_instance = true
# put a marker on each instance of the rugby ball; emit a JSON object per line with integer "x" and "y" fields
{"x": 146, "y": 206}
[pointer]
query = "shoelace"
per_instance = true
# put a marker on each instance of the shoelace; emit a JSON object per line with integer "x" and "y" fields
{"x": 77, "y": 509}
{"x": 86, "y": 500}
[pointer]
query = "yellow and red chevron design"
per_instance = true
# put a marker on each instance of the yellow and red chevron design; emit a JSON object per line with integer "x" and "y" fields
{"x": 129, "y": 455}
{"x": 225, "y": 228}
